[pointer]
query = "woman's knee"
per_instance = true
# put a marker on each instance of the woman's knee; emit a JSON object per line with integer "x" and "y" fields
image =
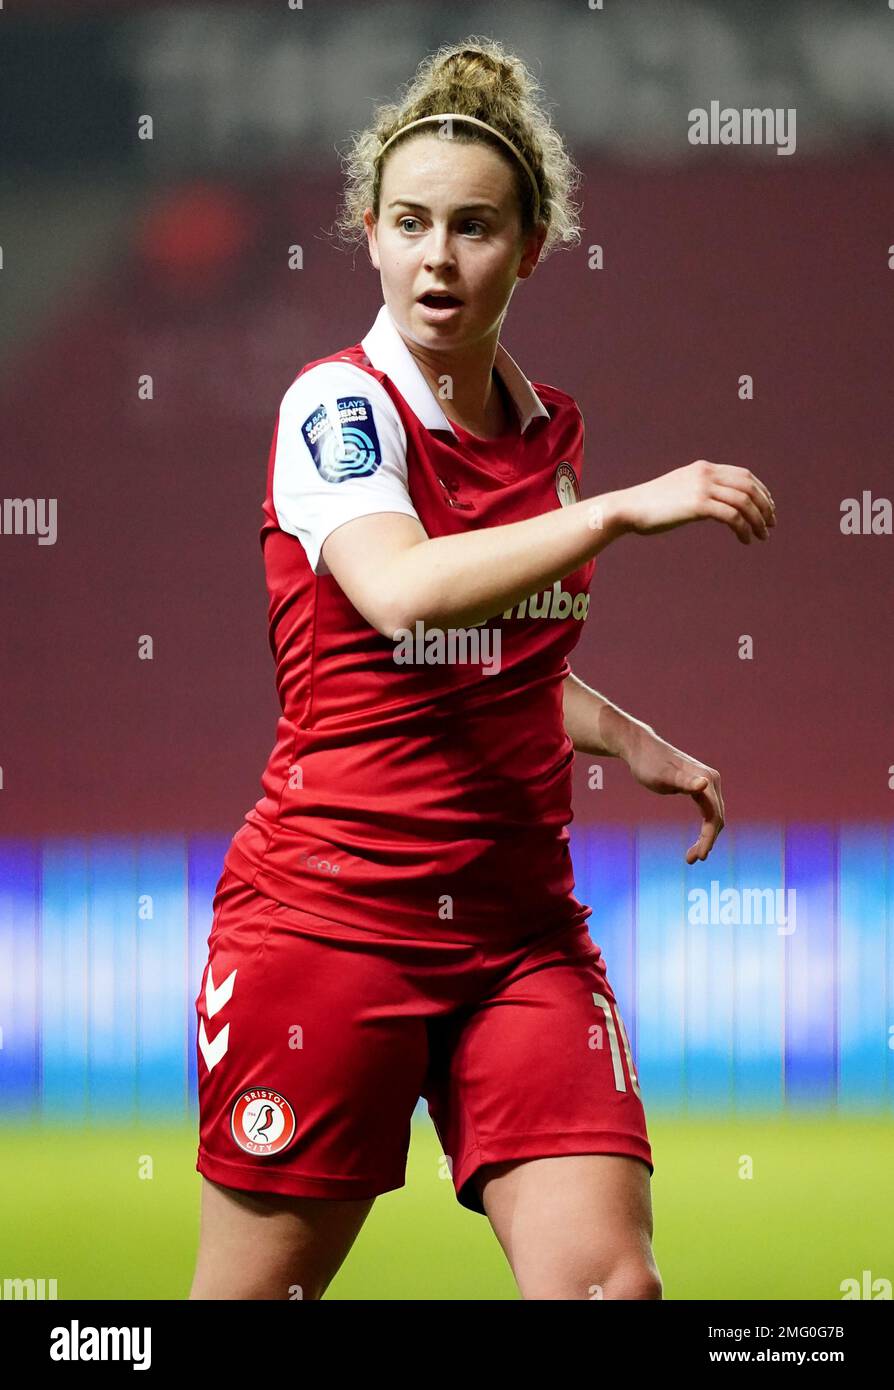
{"x": 269, "y": 1286}
{"x": 593, "y": 1276}
{"x": 637, "y": 1279}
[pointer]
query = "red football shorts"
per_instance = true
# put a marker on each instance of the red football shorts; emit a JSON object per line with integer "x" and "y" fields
{"x": 313, "y": 1051}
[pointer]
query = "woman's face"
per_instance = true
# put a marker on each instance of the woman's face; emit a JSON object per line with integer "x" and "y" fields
{"x": 449, "y": 219}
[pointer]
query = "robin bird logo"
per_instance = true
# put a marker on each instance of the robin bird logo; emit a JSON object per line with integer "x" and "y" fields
{"x": 262, "y": 1123}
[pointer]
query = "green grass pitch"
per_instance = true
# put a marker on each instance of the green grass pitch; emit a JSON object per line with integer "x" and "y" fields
{"x": 818, "y": 1209}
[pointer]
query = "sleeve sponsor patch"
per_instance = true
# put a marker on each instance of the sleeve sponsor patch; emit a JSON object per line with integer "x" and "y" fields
{"x": 350, "y": 450}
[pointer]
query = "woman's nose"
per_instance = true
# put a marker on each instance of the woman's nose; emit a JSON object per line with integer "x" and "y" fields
{"x": 438, "y": 250}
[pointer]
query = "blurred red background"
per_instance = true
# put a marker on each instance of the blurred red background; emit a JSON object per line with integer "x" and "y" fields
{"x": 710, "y": 274}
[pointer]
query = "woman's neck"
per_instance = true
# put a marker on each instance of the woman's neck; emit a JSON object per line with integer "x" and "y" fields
{"x": 498, "y": 417}
{"x": 479, "y": 403}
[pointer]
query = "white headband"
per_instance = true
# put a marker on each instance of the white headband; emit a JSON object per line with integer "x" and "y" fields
{"x": 455, "y": 116}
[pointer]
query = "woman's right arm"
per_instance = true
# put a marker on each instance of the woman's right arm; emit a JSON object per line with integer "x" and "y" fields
{"x": 395, "y": 575}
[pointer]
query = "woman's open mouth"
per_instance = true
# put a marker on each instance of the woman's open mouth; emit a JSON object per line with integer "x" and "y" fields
{"x": 436, "y": 307}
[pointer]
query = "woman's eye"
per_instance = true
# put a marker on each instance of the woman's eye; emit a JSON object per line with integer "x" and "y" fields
{"x": 471, "y": 222}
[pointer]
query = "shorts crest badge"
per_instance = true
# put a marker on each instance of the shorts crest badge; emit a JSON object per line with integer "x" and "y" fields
{"x": 262, "y": 1121}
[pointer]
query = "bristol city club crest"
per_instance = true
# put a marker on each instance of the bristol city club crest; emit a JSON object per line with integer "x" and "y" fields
{"x": 567, "y": 489}
{"x": 262, "y": 1121}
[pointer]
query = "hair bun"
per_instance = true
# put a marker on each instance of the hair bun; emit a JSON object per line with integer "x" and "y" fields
{"x": 476, "y": 65}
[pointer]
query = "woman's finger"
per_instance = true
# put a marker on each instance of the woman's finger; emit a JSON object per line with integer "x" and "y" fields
{"x": 744, "y": 505}
{"x": 711, "y": 808}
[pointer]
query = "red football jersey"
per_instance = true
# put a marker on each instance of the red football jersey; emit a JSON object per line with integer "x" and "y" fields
{"x": 419, "y": 788}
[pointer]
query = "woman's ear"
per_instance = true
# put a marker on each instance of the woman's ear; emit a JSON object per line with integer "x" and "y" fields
{"x": 532, "y": 246}
{"x": 369, "y": 222}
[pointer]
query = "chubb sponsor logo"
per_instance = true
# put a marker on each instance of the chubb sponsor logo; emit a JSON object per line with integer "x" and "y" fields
{"x": 552, "y": 603}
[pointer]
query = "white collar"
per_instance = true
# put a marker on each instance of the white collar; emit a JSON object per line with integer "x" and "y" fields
{"x": 388, "y": 353}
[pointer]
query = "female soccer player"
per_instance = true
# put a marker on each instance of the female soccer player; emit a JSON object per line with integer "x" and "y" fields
{"x": 395, "y": 918}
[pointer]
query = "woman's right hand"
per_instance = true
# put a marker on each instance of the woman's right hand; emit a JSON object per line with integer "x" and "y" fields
{"x": 697, "y": 491}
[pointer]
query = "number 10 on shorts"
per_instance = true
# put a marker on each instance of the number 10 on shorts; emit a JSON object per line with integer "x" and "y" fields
{"x": 620, "y": 1082}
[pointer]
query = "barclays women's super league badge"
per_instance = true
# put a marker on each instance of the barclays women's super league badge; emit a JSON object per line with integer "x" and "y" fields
{"x": 349, "y": 450}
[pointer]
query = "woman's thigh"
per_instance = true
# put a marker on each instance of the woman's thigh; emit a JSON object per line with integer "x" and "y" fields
{"x": 266, "y": 1245}
{"x": 574, "y": 1225}
{"x": 539, "y": 1067}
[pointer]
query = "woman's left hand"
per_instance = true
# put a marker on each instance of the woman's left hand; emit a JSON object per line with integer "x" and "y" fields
{"x": 667, "y": 770}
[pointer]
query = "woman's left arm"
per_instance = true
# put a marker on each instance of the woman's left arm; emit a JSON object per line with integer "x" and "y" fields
{"x": 595, "y": 725}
